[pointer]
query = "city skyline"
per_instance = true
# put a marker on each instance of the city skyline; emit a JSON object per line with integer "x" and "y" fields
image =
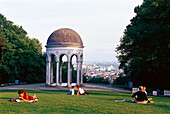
{"x": 100, "y": 24}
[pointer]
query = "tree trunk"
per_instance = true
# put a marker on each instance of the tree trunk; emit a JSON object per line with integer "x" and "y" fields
{"x": 2, "y": 56}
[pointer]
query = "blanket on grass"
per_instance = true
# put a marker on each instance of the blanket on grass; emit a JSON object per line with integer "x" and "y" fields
{"x": 18, "y": 100}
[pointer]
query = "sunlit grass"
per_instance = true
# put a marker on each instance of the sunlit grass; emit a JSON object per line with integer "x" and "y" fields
{"x": 97, "y": 102}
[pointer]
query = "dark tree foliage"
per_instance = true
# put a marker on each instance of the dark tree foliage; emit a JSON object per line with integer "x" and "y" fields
{"x": 121, "y": 80}
{"x": 21, "y": 57}
{"x": 99, "y": 80}
{"x": 144, "y": 47}
{"x": 64, "y": 73}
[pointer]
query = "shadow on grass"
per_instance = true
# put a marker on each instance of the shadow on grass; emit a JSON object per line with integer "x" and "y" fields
{"x": 11, "y": 90}
{"x": 91, "y": 92}
{"x": 165, "y": 107}
{"x": 6, "y": 98}
{"x": 37, "y": 91}
{"x": 111, "y": 94}
{"x": 113, "y": 99}
{"x": 48, "y": 91}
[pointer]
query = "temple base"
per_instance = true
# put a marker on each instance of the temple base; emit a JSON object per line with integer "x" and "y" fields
{"x": 61, "y": 85}
{"x": 68, "y": 85}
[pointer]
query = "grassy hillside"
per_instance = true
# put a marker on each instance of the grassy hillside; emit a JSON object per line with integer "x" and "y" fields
{"x": 97, "y": 102}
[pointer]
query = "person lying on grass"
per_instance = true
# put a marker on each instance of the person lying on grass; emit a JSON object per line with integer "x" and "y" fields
{"x": 140, "y": 97}
{"x": 23, "y": 96}
{"x": 81, "y": 91}
{"x": 71, "y": 91}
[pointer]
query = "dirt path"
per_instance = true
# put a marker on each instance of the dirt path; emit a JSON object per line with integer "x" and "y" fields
{"x": 87, "y": 86}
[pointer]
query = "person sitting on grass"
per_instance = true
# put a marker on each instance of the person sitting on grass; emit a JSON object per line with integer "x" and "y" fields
{"x": 140, "y": 97}
{"x": 71, "y": 91}
{"x": 81, "y": 91}
{"x": 144, "y": 89}
{"x": 23, "y": 96}
{"x": 149, "y": 99}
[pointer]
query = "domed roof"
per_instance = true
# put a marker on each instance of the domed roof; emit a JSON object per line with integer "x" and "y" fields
{"x": 64, "y": 37}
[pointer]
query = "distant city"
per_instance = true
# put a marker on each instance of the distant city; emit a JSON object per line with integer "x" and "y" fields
{"x": 107, "y": 70}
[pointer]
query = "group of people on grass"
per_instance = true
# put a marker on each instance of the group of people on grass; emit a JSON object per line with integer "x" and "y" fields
{"x": 140, "y": 96}
{"x": 80, "y": 91}
{"x": 24, "y": 97}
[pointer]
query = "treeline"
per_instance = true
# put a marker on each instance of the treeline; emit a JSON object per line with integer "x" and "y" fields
{"x": 143, "y": 52}
{"x": 99, "y": 80}
{"x": 21, "y": 58}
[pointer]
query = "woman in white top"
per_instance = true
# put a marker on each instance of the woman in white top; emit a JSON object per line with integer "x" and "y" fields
{"x": 81, "y": 91}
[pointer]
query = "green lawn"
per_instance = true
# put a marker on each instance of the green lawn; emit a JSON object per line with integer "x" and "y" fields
{"x": 97, "y": 102}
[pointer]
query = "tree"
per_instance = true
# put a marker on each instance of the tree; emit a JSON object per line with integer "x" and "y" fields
{"x": 99, "y": 80}
{"x": 3, "y": 41}
{"x": 21, "y": 56}
{"x": 64, "y": 72}
{"x": 143, "y": 49}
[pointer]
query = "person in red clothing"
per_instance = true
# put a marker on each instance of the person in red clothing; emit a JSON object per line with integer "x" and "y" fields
{"x": 23, "y": 96}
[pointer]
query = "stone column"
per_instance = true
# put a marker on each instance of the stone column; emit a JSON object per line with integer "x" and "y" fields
{"x": 68, "y": 75}
{"x": 51, "y": 72}
{"x": 57, "y": 73}
{"x": 48, "y": 72}
{"x": 60, "y": 71}
{"x": 78, "y": 72}
{"x": 81, "y": 65}
{"x": 71, "y": 76}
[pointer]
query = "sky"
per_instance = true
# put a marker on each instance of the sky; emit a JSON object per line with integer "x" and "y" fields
{"x": 100, "y": 23}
